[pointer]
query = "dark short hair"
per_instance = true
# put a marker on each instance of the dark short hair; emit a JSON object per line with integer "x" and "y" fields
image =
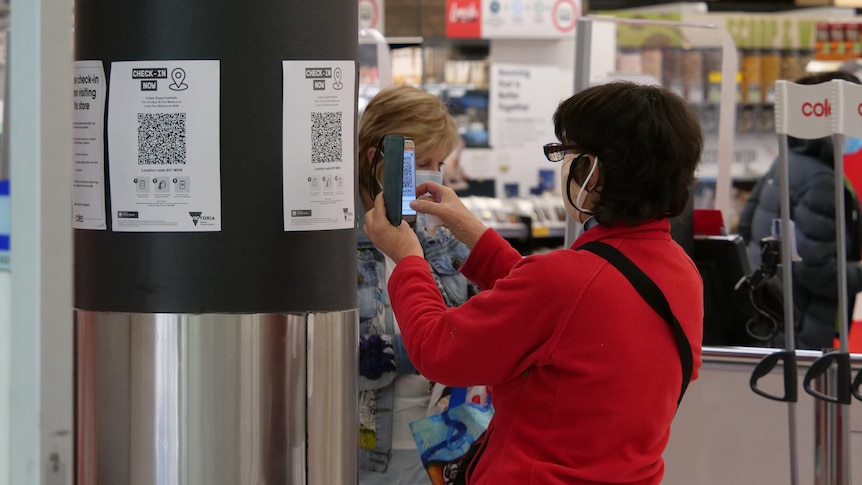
{"x": 648, "y": 142}
{"x": 824, "y": 77}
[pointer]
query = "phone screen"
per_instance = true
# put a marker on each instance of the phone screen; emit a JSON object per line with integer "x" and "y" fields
{"x": 408, "y": 180}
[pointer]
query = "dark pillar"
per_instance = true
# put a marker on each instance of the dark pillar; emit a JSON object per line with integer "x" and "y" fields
{"x": 229, "y": 356}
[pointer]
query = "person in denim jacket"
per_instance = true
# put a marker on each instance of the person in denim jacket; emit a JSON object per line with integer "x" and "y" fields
{"x": 392, "y": 393}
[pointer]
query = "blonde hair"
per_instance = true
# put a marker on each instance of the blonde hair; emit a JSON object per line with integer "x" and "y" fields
{"x": 403, "y": 110}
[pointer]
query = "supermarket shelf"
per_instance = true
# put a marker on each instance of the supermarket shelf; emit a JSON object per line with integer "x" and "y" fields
{"x": 404, "y": 41}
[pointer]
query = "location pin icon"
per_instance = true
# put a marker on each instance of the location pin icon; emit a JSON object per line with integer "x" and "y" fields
{"x": 337, "y": 84}
{"x": 179, "y": 77}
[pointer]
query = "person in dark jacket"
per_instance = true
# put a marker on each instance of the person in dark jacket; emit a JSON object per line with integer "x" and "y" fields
{"x": 812, "y": 209}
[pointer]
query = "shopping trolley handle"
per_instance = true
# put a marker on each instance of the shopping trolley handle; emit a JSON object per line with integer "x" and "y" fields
{"x": 766, "y": 365}
{"x": 820, "y": 366}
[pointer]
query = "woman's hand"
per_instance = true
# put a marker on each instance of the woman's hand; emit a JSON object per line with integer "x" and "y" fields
{"x": 445, "y": 204}
{"x": 395, "y": 242}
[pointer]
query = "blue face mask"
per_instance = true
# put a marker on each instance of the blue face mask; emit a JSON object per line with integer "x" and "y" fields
{"x": 852, "y": 145}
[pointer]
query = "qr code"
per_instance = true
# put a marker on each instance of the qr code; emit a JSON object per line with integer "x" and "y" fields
{"x": 326, "y": 137}
{"x": 161, "y": 138}
{"x": 407, "y": 175}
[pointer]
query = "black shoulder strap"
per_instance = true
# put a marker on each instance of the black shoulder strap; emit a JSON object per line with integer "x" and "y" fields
{"x": 653, "y": 295}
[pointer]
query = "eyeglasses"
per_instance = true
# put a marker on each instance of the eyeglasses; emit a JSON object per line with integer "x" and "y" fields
{"x": 555, "y": 152}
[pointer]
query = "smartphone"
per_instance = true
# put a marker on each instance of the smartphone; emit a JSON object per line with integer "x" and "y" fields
{"x": 399, "y": 178}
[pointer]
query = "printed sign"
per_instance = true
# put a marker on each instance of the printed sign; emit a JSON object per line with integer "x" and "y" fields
{"x": 848, "y": 108}
{"x": 519, "y": 103}
{"x": 88, "y": 128}
{"x": 540, "y": 19}
{"x": 163, "y": 146}
{"x": 318, "y": 148}
{"x": 803, "y": 111}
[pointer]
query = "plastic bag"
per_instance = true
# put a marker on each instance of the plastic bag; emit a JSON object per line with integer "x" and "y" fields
{"x": 444, "y": 439}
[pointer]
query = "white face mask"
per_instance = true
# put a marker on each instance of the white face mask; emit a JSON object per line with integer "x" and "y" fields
{"x": 426, "y": 175}
{"x": 582, "y": 190}
{"x": 427, "y": 221}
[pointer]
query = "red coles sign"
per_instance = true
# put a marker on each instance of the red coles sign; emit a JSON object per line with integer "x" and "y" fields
{"x": 463, "y": 19}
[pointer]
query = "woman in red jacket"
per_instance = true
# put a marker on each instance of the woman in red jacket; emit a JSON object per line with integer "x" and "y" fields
{"x": 586, "y": 376}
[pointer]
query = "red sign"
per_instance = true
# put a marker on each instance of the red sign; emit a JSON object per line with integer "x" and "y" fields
{"x": 369, "y": 14}
{"x": 463, "y": 19}
{"x": 564, "y": 14}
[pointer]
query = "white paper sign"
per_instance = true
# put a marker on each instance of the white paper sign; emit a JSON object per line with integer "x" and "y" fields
{"x": 803, "y": 110}
{"x": 847, "y": 102}
{"x": 163, "y": 146}
{"x": 88, "y": 128}
{"x": 318, "y": 144}
{"x": 521, "y": 103}
{"x": 539, "y": 19}
{"x": 522, "y": 100}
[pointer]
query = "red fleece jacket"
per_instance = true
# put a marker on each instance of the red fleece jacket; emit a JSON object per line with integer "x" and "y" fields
{"x": 585, "y": 374}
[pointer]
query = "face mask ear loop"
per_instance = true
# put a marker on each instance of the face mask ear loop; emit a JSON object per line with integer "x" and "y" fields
{"x": 377, "y": 154}
{"x": 584, "y": 184}
{"x": 569, "y": 179}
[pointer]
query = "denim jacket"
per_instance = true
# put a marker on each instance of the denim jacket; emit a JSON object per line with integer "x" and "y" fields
{"x": 382, "y": 353}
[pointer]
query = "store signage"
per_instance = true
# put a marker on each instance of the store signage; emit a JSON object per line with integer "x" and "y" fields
{"x": 814, "y": 111}
{"x": 564, "y": 15}
{"x": 89, "y": 91}
{"x": 318, "y": 98}
{"x": 518, "y": 106}
{"x": 817, "y": 109}
{"x": 371, "y": 14}
{"x": 803, "y": 110}
{"x": 542, "y": 19}
{"x": 847, "y": 121}
{"x": 515, "y": 19}
{"x": 463, "y": 19}
{"x": 163, "y": 146}
{"x": 752, "y": 156}
{"x": 763, "y": 30}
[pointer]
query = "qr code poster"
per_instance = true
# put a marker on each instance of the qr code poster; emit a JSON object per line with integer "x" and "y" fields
{"x": 163, "y": 146}
{"x": 318, "y": 146}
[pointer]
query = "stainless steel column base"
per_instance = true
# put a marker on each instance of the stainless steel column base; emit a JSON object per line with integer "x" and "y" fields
{"x": 232, "y": 399}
